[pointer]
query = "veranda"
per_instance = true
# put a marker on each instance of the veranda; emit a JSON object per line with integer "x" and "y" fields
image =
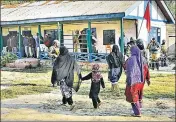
{"x": 65, "y": 33}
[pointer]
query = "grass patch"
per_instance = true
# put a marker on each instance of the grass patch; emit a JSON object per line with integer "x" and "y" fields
{"x": 22, "y": 83}
{"x": 162, "y": 86}
{"x": 15, "y": 91}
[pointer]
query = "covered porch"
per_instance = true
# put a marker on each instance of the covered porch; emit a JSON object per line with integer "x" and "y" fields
{"x": 62, "y": 18}
{"x": 65, "y": 35}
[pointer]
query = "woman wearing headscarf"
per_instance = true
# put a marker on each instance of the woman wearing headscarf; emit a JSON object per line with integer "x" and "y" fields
{"x": 66, "y": 74}
{"x": 134, "y": 79}
{"x": 115, "y": 63}
{"x": 96, "y": 81}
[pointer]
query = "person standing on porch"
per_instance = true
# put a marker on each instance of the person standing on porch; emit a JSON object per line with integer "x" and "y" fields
{"x": 115, "y": 63}
{"x": 76, "y": 40}
{"x": 134, "y": 79}
{"x": 37, "y": 45}
{"x": 94, "y": 43}
{"x": 31, "y": 46}
{"x": 66, "y": 74}
{"x": 9, "y": 44}
{"x": 83, "y": 41}
{"x": 26, "y": 45}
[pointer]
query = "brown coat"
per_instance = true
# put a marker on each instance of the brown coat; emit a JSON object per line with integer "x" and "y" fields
{"x": 31, "y": 42}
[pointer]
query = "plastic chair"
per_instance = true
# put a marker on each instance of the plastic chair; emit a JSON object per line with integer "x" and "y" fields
{"x": 108, "y": 47}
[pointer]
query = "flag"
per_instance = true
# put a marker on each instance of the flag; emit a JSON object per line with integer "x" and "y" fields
{"x": 147, "y": 16}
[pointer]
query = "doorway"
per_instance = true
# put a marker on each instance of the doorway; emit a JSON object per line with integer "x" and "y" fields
{"x": 155, "y": 32}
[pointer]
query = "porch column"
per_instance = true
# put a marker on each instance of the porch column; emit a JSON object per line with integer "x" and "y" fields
{"x": 39, "y": 32}
{"x": 89, "y": 41}
{"x": 1, "y": 42}
{"x": 89, "y": 37}
{"x": 121, "y": 36}
{"x": 19, "y": 40}
{"x": 60, "y": 34}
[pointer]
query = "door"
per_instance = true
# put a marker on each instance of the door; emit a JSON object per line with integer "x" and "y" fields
{"x": 155, "y": 32}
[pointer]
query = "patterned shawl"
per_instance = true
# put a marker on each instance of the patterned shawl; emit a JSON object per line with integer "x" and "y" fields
{"x": 96, "y": 75}
{"x": 135, "y": 67}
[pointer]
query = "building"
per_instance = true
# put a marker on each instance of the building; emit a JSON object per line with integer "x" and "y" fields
{"x": 107, "y": 19}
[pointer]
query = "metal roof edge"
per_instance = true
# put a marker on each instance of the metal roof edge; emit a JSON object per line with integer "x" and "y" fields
{"x": 132, "y": 7}
{"x": 62, "y": 19}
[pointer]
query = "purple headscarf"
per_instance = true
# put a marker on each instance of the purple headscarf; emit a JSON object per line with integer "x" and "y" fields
{"x": 135, "y": 67}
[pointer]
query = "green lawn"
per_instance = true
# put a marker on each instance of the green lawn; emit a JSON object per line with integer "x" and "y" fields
{"x": 25, "y": 83}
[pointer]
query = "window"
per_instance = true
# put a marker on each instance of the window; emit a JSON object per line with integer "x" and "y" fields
{"x": 92, "y": 30}
{"x": 108, "y": 37}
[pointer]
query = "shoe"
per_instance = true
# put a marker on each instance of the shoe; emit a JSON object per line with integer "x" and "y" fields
{"x": 72, "y": 107}
{"x": 136, "y": 115}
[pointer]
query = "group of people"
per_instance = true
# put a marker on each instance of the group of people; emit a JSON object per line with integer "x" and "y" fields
{"x": 32, "y": 45}
{"x": 156, "y": 52}
{"x": 66, "y": 73}
{"x": 80, "y": 41}
{"x": 12, "y": 43}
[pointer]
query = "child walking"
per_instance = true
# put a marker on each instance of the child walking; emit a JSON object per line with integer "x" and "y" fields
{"x": 96, "y": 80}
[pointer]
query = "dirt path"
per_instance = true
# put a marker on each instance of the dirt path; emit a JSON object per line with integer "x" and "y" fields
{"x": 46, "y": 107}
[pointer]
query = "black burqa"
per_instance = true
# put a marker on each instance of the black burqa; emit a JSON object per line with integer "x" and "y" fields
{"x": 65, "y": 67}
{"x": 115, "y": 59}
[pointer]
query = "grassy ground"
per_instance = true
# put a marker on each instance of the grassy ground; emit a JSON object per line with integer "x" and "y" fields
{"x": 25, "y": 83}
{"x": 159, "y": 99}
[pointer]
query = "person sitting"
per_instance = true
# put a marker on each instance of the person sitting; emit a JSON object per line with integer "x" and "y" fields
{"x": 54, "y": 50}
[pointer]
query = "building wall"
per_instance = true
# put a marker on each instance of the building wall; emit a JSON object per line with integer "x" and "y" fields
{"x": 157, "y": 20}
{"x": 129, "y": 29}
{"x": 144, "y": 34}
{"x": 154, "y": 10}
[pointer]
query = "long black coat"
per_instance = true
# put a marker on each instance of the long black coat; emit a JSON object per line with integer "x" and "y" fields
{"x": 95, "y": 86}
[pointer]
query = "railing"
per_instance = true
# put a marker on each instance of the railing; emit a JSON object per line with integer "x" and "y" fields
{"x": 90, "y": 57}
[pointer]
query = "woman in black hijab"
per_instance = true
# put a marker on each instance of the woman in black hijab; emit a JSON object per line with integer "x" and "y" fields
{"x": 66, "y": 74}
{"x": 115, "y": 62}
